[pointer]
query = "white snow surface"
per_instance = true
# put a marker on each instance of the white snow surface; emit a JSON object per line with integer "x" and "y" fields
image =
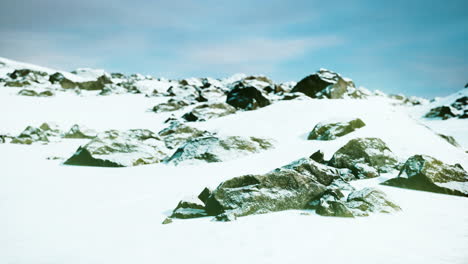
{"x": 53, "y": 213}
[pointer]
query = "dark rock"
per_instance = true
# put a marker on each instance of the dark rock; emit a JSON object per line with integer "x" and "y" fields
{"x": 443, "y": 112}
{"x": 426, "y": 173}
{"x": 120, "y": 149}
{"x": 246, "y": 97}
{"x": 203, "y": 196}
{"x": 318, "y": 156}
{"x": 461, "y": 103}
{"x": 190, "y": 117}
{"x": 365, "y": 157}
{"x": 325, "y": 84}
{"x": 21, "y": 73}
{"x": 46, "y": 94}
{"x": 330, "y": 131}
{"x": 213, "y": 149}
{"x": 167, "y": 221}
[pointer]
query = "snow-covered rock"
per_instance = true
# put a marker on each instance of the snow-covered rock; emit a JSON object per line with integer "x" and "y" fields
{"x": 120, "y": 149}
{"x": 332, "y": 130}
{"x": 207, "y": 111}
{"x": 246, "y": 97}
{"x": 422, "y": 172}
{"x": 365, "y": 157}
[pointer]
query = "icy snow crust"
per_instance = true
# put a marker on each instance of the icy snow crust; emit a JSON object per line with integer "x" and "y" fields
{"x": 53, "y": 213}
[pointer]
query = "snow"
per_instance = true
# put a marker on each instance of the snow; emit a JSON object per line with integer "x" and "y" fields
{"x": 53, "y": 213}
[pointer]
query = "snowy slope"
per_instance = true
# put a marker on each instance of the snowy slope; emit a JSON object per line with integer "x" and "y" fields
{"x": 53, "y": 213}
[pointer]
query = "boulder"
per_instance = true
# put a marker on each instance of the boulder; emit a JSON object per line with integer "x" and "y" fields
{"x": 326, "y": 84}
{"x": 27, "y": 92}
{"x": 30, "y": 135}
{"x": 425, "y": 173}
{"x": 214, "y": 149}
{"x": 62, "y": 80}
{"x": 318, "y": 156}
{"x": 17, "y": 83}
{"x": 365, "y": 157}
{"x": 171, "y": 105}
{"x": 207, "y": 111}
{"x": 50, "y": 129}
{"x": 120, "y": 149}
{"x": 333, "y": 130}
{"x": 80, "y": 132}
{"x": 256, "y": 194}
{"x": 24, "y": 73}
{"x": 246, "y": 97}
{"x": 178, "y": 133}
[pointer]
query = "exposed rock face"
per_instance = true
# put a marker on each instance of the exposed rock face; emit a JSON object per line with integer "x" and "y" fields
{"x": 246, "y": 97}
{"x": 302, "y": 184}
{"x": 328, "y": 84}
{"x": 177, "y": 133}
{"x": 330, "y": 131}
{"x": 318, "y": 156}
{"x": 213, "y": 149}
{"x": 64, "y": 82}
{"x": 365, "y": 157}
{"x": 207, "y": 111}
{"x": 120, "y": 149}
{"x": 30, "y": 135}
{"x": 80, "y": 132}
{"x": 171, "y": 105}
{"x": 426, "y": 173}
{"x": 27, "y": 74}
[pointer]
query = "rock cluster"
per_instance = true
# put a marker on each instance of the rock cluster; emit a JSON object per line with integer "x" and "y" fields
{"x": 333, "y": 130}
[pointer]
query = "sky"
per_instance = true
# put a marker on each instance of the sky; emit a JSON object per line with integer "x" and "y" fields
{"x": 411, "y": 47}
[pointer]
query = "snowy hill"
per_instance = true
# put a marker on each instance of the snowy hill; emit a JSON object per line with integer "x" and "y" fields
{"x": 223, "y": 129}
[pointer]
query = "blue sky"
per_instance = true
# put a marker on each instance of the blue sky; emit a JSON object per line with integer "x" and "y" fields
{"x": 411, "y": 47}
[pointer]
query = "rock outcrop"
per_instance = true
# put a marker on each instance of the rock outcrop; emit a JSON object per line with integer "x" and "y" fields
{"x": 77, "y": 131}
{"x": 333, "y": 130}
{"x": 426, "y": 173}
{"x": 207, "y": 111}
{"x": 178, "y": 133}
{"x": 30, "y": 135}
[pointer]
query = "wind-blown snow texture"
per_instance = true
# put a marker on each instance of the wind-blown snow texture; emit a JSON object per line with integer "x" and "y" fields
{"x": 52, "y": 213}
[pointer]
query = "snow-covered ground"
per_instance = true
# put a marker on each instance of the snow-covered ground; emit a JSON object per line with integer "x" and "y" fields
{"x": 53, "y": 213}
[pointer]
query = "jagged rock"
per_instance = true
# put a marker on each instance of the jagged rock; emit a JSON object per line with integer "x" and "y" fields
{"x": 246, "y": 97}
{"x": 189, "y": 209}
{"x": 330, "y": 131}
{"x": 95, "y": 85}
{"x": 62, "y": 80}
{"x": 170, "y": 105}
{"x": 450, "y": 140}
{"x": 120, "y": 149}
{"x": 461, "y": 103}
{"x": 117, "y": 75}
{"x": 30, "y": 135}
{"x": 318, "y": 156}
{"x": 213, "y": 149}
{"x": 185, "y": 92}
{"x": 322, "y": 173}
{"x": 177, "y": 133}
{"x": 326, "y": 84}
{"x": 443, "y": 112}
{"x": 207, "y": 111}
{"x": 167, "y": 221}
{"x": 294, "y": 96}
{"x": 365, "y": 157}
{"x": 204, "y": 195}
{"x": 80, "y": 132}
{"x": 426, "y": 173}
